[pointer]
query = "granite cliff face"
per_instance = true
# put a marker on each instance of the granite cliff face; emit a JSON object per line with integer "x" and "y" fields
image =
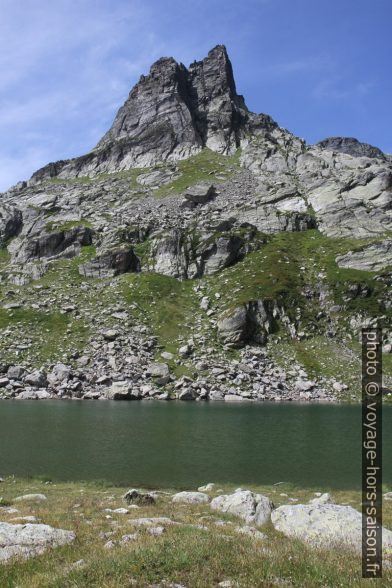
{"x": 196, "y": 226}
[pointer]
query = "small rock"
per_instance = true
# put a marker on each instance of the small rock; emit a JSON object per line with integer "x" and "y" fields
{"x": 323, "y": 499}
{"x": 250, "y": 532}
{"x": 130, "y": 537}
{"x": 31, "y": 498}
{"x": 110, "y": 334}
{"x": 191, "y": 498}
{"x": 207, "y": 487}
{"x": 152, "y": 521}
{"x": 156, "y": 531}
{"x": 135, "y": 497}
{"x": 117, "y": 510}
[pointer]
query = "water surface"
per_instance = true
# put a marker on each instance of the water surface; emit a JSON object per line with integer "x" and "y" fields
{"x": 183, "y": 445}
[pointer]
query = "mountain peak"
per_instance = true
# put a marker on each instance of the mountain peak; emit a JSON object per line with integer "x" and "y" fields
{"x": 351, "y": 146}
{"x": 171, "y": 113}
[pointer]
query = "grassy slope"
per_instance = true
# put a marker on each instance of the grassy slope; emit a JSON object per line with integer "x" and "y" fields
{"x": 280, "y": 270}
{"x": 194, "y": 557}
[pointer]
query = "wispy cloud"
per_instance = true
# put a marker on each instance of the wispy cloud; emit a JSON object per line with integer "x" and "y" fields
{"x": 307, "y": 64}
{"x": 338, "y": 88}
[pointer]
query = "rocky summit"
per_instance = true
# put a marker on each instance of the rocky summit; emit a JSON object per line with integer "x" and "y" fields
{"x": 199, "y": 252}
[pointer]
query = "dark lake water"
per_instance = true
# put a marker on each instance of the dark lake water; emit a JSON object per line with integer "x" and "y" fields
{"x": 183, "y": 445}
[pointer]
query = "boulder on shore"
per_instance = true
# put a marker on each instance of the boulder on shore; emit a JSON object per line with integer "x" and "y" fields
{"x": 324, "y": 525}
{"x": 251, "y": 507}
{"x": 30, "y": 540}
{"x": 135, "y": 497}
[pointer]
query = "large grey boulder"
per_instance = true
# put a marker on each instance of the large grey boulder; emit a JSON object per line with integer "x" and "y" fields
{"x": 111, "y": 263}
{"x": 133, "y": 496}
{"x": 157, "y": 177}
{"x": 31, "y": 498}
{"x": 251, "y": 507}
{"x": 159, "y": 371}
{"x": 324, "y": 525}
{"x": 38, "y": 379}
{"x": 219, "y": 253}
{"x": 121, "y": 390}
{"x": 34, "y": 395}
{"x": 178, "y": 254}
{"x": 29, "y": 540}
{"x": 16, "y": 372}
{"x": 234, "y": 327}
{"x": 170, "y": 254}
{"x": 200, "y": 193}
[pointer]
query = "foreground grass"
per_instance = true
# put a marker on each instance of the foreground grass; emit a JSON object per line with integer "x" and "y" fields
{"x": 194, "y": 557}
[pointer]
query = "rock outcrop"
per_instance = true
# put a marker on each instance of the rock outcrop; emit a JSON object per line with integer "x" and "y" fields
{"x": 65, "y": 243}
{"x": 251, "y": 322}
{"x": 369, "y": 259}
{"x": 111, "y": 263}
{"x": 10, "y": 223}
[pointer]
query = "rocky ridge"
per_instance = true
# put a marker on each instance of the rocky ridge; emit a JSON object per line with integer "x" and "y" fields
{"x": 200, "y": 251}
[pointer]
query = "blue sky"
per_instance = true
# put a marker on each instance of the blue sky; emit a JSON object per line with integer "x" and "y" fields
{"x": 318, "y": 67}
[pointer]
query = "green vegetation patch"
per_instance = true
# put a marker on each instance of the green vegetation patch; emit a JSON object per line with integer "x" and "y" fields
{"x": 205, "y": 166}
{"x": 287, "y": 263}
{"x": 167, "y": 305}
{"x": 4, "y": 257}
{"x": 54, "y": 226}
{"x": 49, "y": 334}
